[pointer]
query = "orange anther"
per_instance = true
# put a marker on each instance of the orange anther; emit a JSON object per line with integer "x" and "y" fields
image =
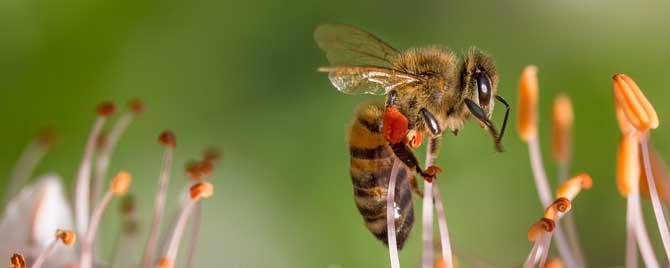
{"x": 628, "y": 96}
{"x": 136, "y": 106}
{"x": 570, "y": 188}
{"x": 201, "y": 190}
{"x": 561, "y": 126}
{"x": 168, "y": 139}
{"x": 121, "y": 183}
{"x": 17, "y": 261}
{"x": 554, "y": 263}
{"x": 106, "y": 109}
{"x": 528, "y": 94}
{"x": 164, "y": 262}
{"x": 66, "y": 236}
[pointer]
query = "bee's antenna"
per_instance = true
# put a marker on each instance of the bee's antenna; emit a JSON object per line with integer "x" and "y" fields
{"x": 504, "y": 125}
{"x": 481, "y": 115}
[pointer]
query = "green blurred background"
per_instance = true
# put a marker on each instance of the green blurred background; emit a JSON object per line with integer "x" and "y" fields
{"x": 241, "y": 76}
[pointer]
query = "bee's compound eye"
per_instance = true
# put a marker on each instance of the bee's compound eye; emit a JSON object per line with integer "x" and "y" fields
{"x": 483, "y": 88}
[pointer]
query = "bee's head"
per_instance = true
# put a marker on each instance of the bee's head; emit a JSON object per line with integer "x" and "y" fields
{"x": 480, "y": 79}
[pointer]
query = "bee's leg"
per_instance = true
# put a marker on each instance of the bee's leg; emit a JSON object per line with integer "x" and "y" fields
{"x": 405, "y": 154}
{"x": 414, "y": 186}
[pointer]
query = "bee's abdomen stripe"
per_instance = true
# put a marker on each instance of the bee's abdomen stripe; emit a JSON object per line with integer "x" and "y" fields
{"x": 374, "y": 127}
{"x": 381, "y": 151}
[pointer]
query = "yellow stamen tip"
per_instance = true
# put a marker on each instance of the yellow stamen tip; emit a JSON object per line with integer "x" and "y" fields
{"x": 67, "y": 236}
{"x": 202, "y": 190}
{"x": 121, "y": 183}
{"x": 528, "y": 95}
{"x": 635, "y": 106}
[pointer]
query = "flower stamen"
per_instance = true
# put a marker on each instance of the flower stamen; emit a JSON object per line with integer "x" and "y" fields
{"x": 118, "y": 187}
{"x": 169, "y": 141}
{"x": 197, "y": 192}
{"x": 67, "y": 237}
{"x": 83, "y": 182}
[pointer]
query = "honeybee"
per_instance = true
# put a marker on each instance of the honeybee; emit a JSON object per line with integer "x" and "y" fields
{"x": 428, "y": 90}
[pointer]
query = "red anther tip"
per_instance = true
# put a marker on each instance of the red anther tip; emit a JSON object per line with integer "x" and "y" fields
{"x": 211, "y": 155}
{"x": 136, "y": 106}
{"x": 106, "y": 108}
{"x": 127, "y": 206}
{"x": 167, "y": 138}
{"x": 47, "y": 136}
{"x": 395, "y": 125}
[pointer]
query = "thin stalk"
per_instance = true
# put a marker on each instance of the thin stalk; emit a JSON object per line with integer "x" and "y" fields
{"x": 643, "y": 241}
{"x": 87, "y": 243}
{"x": 103, "y": 158}
{"x": 390, "y": 215}
{"x": 546, "y": 245}
{"x": 178, "y": 232}
{"x": 428, "y": 254}
{"x": 631, "y": 250}
{"x": 569, "y": 221}
{"x": 444, "y": 230}
{"x": 45, "y": 254}
{"x": 195, "y": 233}
{"x": 655, "y": 201}
{"x": 159, "y": 208}
{"x": 24, "y": 168}
{"x": 83, "y": 184}
{"x": 532, "y": 256}
{"x": 544, "y": 191}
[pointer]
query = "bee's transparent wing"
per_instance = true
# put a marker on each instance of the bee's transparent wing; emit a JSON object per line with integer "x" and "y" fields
{"x": 367, "y": 79}
{"x": 348, "y": 45}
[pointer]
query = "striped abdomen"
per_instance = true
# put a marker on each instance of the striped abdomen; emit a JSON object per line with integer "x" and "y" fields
{"x": 371, "y": 164}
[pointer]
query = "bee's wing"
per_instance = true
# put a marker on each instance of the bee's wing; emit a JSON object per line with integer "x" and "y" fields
{"x": 348, "y": 45}
{"x": 367, "y": 79}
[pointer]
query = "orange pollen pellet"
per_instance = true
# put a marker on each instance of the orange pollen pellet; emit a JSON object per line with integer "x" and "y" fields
{"x": 201, "y": 190}
{"x": 106, "y": 109}
{"x": 136, "y": 106}
{"x": 17, "y": 261}
{"x": 68, "y": 237}
{"x": 628, "y": 96}
{"x": 168, "y": 139}
{"x": 395, "y": 125}
{"x": 121, "y": 183}
{"x": 528, "y": 95}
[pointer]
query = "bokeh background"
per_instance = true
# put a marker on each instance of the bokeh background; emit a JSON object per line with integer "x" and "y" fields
{"x": 241, "y": 76}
